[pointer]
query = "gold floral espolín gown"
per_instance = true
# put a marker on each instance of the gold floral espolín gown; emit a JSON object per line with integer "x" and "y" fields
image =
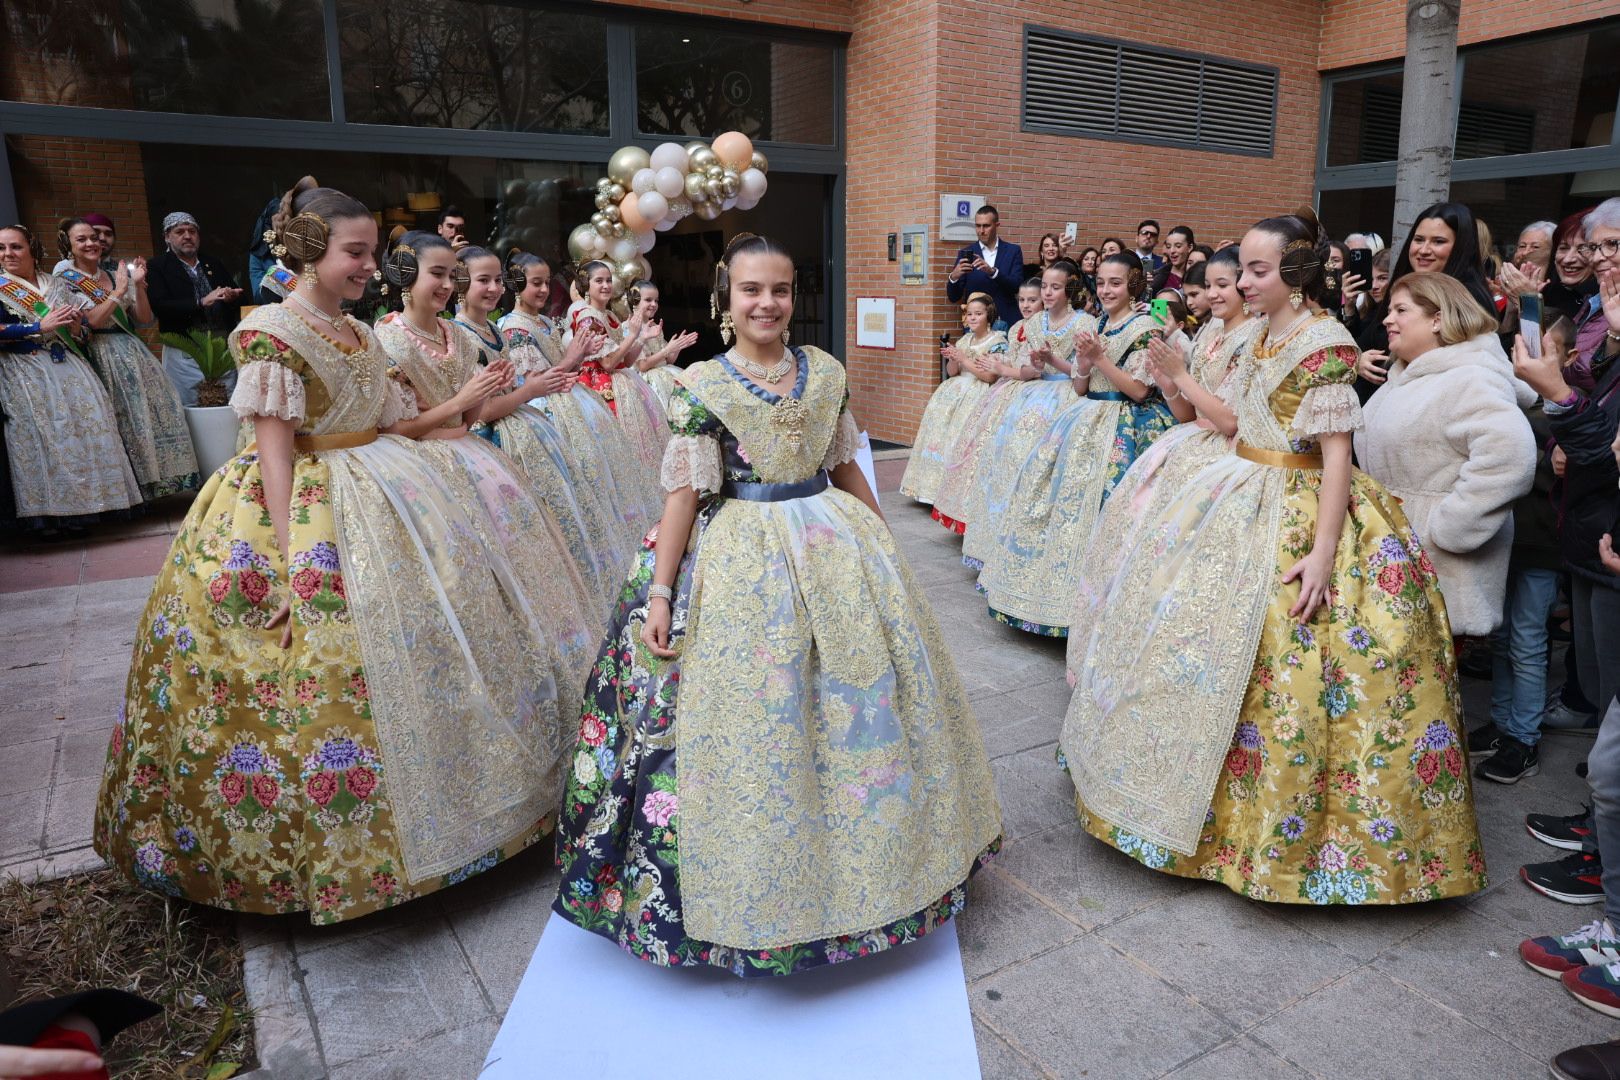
{"x": 953, "y": 504}
{"x": 534, "y": 344}
{"x": 408, "y": 738}
{"x": 949, "y": 407}
{"x": 1211, "y": 735}
{"x": 625, "y": 391}
{"x": 805, "y": 783}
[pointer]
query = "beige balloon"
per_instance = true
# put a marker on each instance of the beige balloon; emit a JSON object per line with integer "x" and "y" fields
{"x": 696, "y": 187}
{"x": 625, "y": 163}
{"x": 761, "y": 162}
{"x": 708, "y": 211}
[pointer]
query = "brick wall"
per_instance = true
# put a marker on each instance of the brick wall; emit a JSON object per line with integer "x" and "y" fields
{"x": 971, "y": 142}
{"x": 1367, "y": 31}
{"x": 57, "y": 178}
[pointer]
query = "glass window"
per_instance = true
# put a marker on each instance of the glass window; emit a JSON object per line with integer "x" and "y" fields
{"x": 1358, "y": 210}
{"x": 1364, "y": 119}
{"x": 1549, "y": 94}
{"x": 698, "y": 84}
{"x": 168, "y": 56}
{"x": 1509, "y": 204}
{"x": 490, "y": 67}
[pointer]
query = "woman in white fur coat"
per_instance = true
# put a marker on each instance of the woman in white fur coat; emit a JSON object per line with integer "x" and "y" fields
{"x": 1446, "y": 435}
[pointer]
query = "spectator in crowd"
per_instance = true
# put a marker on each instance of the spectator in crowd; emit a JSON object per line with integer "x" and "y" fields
{"x": 1535, "y": 245}
{"x": 189, "y": 288}
{"x": 1200, "y": 253}
{"x": 269, "y": 280}
{"x": 1570, "y": 282}
{"x": 1178, "y": 246}
{"x": 1520, "y": 647}
{"x": 992, "y": 266}
{"x": 1365, "y": 241}
{"x": 1147, "y": 238}
{"x": 452, "y": 225}
{"x": 1049, "y": 252}
{"x": 1111, "y": 246}
{"x": 1444, "y": 239}
{"x": 1336, "y": 255}
{"x": 1584, "y": 425}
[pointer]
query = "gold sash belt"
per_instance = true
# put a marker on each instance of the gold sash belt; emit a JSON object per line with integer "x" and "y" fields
{"x": 1278, "y": 458}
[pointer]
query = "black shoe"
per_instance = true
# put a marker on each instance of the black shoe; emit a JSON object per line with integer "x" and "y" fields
{"x": 1484, "y": 740}
{"x": 1512, "y": 762}
{"x": 1571, "y": 832}
{"x": 1574, "y": 879}
{"x": 1597, "y": 1061}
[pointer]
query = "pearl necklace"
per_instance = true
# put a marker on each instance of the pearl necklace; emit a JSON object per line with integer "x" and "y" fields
{"x": 334, "y": 321}
{"x": 438, "y": 340}
{"x": 771, "y": 375}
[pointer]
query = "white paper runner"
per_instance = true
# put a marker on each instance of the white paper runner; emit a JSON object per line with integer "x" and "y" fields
{"x": 586, "y": 1009}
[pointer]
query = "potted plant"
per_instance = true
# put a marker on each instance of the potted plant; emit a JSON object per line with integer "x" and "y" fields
{"x": 212, "y": 422}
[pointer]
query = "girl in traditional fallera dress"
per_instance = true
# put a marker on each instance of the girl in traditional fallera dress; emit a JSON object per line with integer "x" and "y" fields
{"x": 611, "y": 369}
{"x": 340, "y": 697}
{"x": 658, "y": 356}
{"x": 1032, "y": 575}
{"x": 68, "y": 467}
{"x": 562, "y": 475}
{"x": 432, "y": 360}
{"x": 1049, "y": 348}
{"x": 971, "y": 366}
{"x": 151, "y": 421}
{"x": 1269, "y": 698}
{"x": 535, "y": 345}
{"x": 960, "y": 494}
{"x": 773, "y": 700}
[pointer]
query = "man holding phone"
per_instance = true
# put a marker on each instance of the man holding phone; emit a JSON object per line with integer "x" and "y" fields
{"x": 992, "y": 266}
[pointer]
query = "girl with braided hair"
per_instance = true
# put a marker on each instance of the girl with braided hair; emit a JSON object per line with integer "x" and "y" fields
{"x": 1268, "y": 699}
{"x": 776, "y": 768}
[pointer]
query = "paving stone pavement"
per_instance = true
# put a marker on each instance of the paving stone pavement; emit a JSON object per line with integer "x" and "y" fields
{"x": 1079, "y": 962}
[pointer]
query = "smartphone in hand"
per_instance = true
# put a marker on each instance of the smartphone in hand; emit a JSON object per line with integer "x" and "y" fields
{"x": 1358, "y": 261}
{"x": 1160, "y": 310}
{"x": 1530, "y": 322}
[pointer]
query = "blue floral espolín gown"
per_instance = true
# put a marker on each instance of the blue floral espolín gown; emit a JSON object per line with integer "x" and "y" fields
{"x": 804, "y": 784}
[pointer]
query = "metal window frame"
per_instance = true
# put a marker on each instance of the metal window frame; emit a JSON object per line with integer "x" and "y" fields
{"x": 340, "y": 134}
{"x": 1161, "y": 50}
{"x": 1377, "y": 174}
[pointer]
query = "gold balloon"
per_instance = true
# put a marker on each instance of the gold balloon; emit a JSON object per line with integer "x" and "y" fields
{"x": 702, "y": 157}
{"x": 615, "y": 192}
{"x": 730, "y": 184}
{"x": 600, "y": 223}
{"x": 696, "y": 188}
{"x": 760, "y": 162}
{"x": 580, "y": 248}
{"x": 708, "y": 211}
{"x": 602, "y": 201}
{"x": 625, "y": 163}
{"x": 714, "y": 171}
{"x": 630, "y": 269}
{"x": 694, "y": 146}
{"x": 713, "y": 185}
{"x": 611, "y": 212}
{"x": 603, "y": 183}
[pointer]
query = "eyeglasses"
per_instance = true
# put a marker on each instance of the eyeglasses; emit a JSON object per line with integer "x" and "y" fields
{"x": 1147, "y": 232}
{"x": 1607, "y": 248}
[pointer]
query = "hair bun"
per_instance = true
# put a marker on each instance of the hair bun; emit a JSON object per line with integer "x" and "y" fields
{"x": 401, "y": 267}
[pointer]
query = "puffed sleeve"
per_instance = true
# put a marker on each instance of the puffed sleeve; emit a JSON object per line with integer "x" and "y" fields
{"x": 398, "y": 404}
{"x": 693, "y": 458}
{"x": 1135, "y": 364}
{"x": 270, "y": 377}
{"x": 1330, "y": 405}
{"x": 846, "y": 440}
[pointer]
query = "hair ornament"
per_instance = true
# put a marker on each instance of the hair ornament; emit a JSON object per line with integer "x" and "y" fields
{"x": 303, "y": 237}
{"x": 401, "y": 267}
{"x": 514, "y": 277}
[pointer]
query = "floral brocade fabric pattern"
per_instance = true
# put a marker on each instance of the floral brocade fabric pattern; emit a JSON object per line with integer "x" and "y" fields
{"x": 802, "y": 656}
{"x": 944, "y": 421}
{"x": 318, "y": 778}
{"x": 1335, "y": 772}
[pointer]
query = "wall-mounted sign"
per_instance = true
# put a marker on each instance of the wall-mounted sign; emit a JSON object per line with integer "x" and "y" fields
{"x": 956, "y": 216}
{"x": 874, "y": 322}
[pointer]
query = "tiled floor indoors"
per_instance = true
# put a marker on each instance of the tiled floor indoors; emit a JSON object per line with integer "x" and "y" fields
{"x": 1079, "y": 962}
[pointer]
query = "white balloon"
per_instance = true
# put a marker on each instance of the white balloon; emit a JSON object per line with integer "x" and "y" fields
{"x": 599, "y": 242}
{"x": 665, "y": 225}
{"x": 745, "y": 203}
{"x": 753, "y": 184}
{"x": 727, "y": 204}
{"x": 642, "y": 181}
{"x": 653, "y": 206}
{"x": 645, "y": 241}
{"x": 623, "y": 250}
{"x": 670, "y": 156}
{"x": 670, "y": 182}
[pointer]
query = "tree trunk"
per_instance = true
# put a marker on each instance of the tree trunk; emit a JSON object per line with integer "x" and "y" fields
{"x": 1428, "y": 111}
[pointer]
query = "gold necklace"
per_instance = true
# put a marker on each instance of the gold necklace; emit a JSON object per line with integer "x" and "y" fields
{"x": 334, "y": 321}
{"x": 771, "y": 375}
{"x": 437, "y": 340}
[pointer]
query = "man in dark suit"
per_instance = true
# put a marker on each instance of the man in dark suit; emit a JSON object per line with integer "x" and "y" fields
{"x": 190, "y": 289}
{"x": 992, "y": 266}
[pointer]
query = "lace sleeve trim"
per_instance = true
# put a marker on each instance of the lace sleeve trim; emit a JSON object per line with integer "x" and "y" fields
{"x": 1327, "y": 410}
{"x": 846, "y": 441}
{"x": 268, "y": 388}
{"x": 692, "y": 461}
{"x": 398, "y": 404}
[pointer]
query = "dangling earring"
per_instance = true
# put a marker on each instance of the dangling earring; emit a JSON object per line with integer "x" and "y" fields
{"x": 726, "y": 328}
{"x": 405, "y": 297}
{"x": 786, "y": 334}
{"x": 1246, "y": 309}
{"x": 309, "y": 278}
{"x": 1296, "y": 299}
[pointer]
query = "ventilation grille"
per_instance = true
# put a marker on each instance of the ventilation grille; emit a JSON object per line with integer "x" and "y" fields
{"x": 1102, "y": 89}
{"x": 1482, "y": 130}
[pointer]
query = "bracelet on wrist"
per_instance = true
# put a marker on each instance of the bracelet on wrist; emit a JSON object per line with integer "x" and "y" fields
{"x": 661, "y": 592}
